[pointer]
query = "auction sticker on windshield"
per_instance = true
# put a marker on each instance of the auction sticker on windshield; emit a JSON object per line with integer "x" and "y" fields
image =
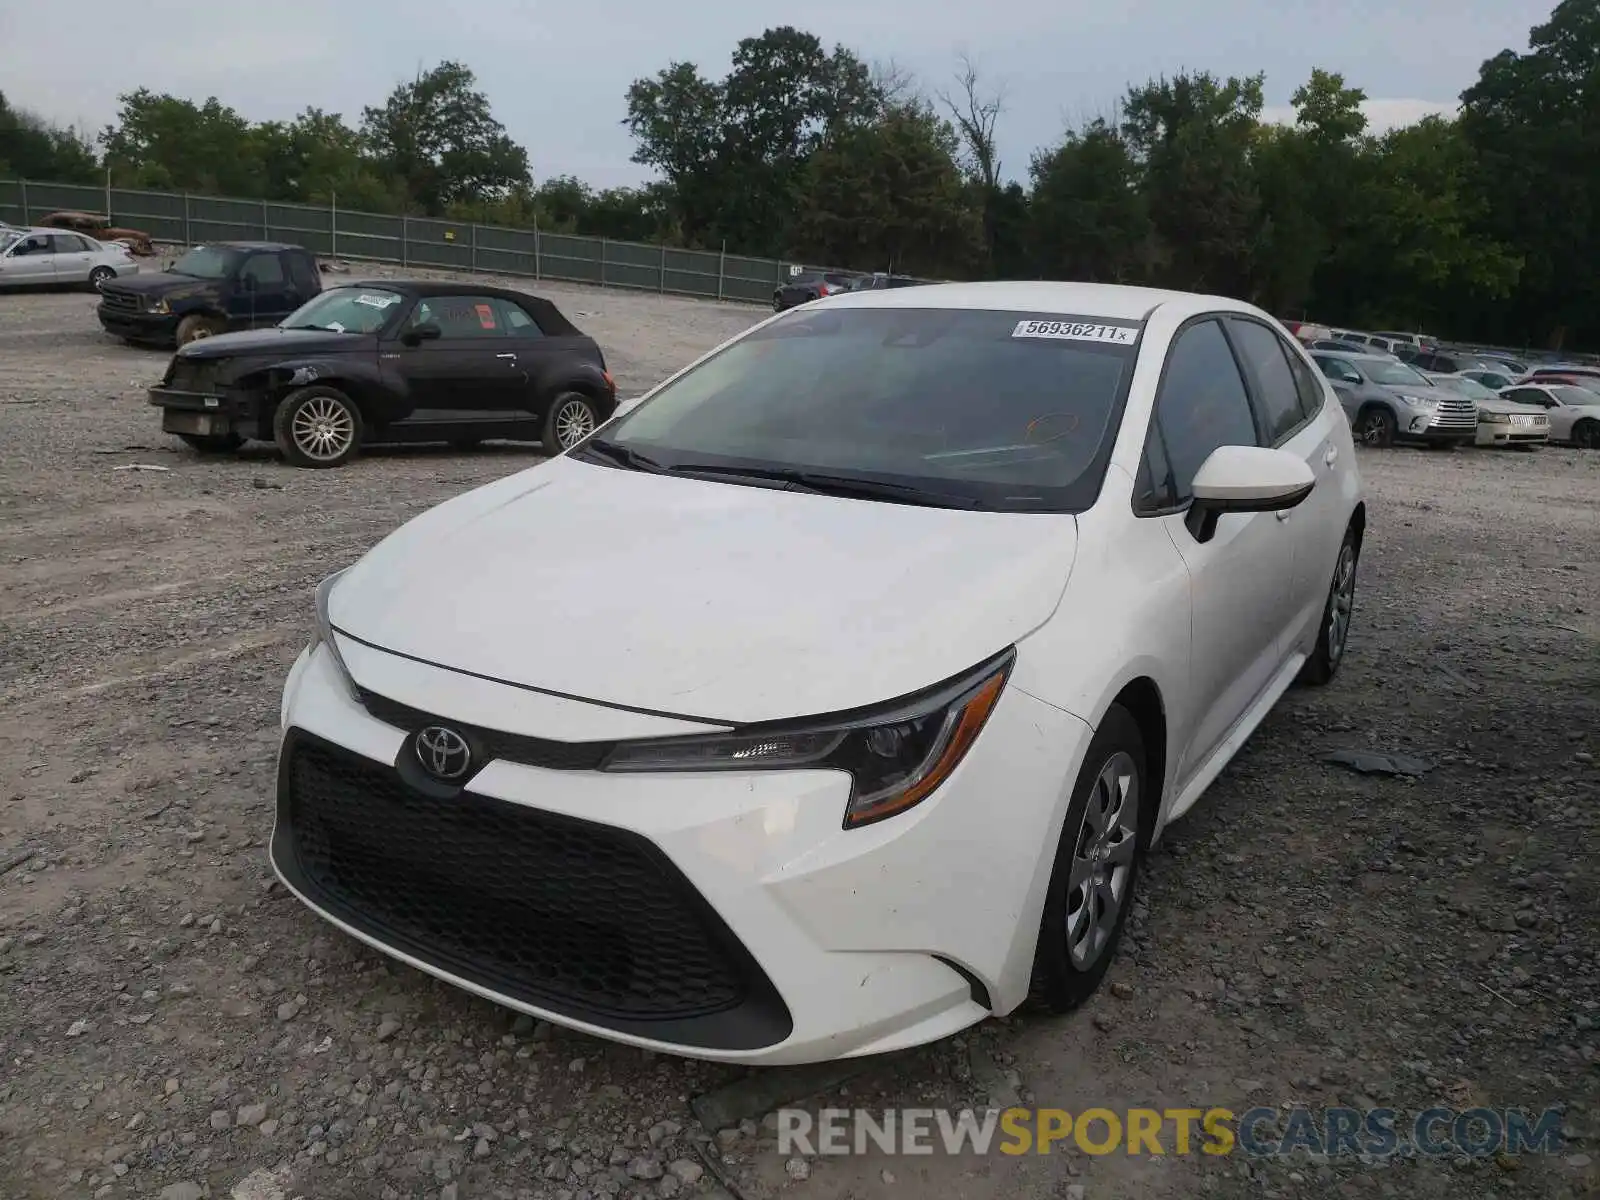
{"x": 1077, "y": 331}
{"x": 377, "y": 301}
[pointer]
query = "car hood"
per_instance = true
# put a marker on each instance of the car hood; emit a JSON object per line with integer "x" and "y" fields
{"x": 1509, "y": 406}
{"x": 276, "y": 343}
{"x": 719, "y": 602}
{"x": 164, "y": 283}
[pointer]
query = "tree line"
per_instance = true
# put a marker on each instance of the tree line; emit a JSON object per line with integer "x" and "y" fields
{"x": 1475, "y": 226}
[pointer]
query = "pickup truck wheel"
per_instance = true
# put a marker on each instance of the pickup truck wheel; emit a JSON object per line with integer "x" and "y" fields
{"x": 317, "y": 426}
{"x": 572, "y": 417}
{"x": 194, "y": 327}
{"x": 216, "y": 443}
{"x": 1375, "y": 427}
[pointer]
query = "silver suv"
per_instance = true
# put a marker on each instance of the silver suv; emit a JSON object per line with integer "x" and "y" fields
{"x": 1389, "y": 402}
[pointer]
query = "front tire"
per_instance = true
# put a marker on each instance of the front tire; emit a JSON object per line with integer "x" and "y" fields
{"x": 1376, "y": 427}
{"x": 196, "y": 326}
{"x": 1333, "y": 638}
{"x": 572, "y": 417}
{"x": 1096, "y": 867}
{"x": 317, "y": 427}
{"x": 1586, "y": 434}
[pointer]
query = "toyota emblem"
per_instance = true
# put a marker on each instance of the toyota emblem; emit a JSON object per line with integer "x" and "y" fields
{"x": 443, "y": 753}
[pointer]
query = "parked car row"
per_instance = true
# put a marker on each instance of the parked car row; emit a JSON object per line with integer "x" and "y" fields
{"x": 805, "y": 286}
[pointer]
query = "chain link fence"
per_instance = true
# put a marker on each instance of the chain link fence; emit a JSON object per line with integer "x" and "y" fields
{"x": 184, "y": 219}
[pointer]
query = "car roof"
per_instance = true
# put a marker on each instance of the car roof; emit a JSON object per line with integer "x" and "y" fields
{"x": 1109, "y": 300}
{"x": 256, "y": 245}
{"x": 1359, "y": 356}
{"x": 550, "y": 318}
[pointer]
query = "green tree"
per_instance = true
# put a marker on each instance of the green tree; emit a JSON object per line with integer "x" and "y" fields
{"x": 164, "y": 141}
{"x": 1533, "y": 123}
{"x": 438, "y": 137}
{"x": 735, "y": 150}
{"x": 889, "y": 196}
{"x": 1193, "y": 137}
{"x": 1088, "y": 218}
{"x": 31, "y": 148}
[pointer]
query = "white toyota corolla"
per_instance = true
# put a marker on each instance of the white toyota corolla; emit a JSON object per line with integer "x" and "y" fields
{"x": 824, "y": 702}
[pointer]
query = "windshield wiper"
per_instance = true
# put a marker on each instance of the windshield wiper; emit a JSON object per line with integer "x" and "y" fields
{"x": 835, "y": 485}
{"x": 619, "y": 456}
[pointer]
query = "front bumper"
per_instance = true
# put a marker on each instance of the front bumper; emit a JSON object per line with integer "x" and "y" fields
{"x": 1496, "y": 434}
{"x": 714, "y": 915}
{"x": 211, "y": 413}
{"x": 137, "y": 325}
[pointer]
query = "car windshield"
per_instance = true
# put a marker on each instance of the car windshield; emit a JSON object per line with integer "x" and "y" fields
{"x": 345, "y": 310}
{"x": 205, "y": 262}
{"x": 1384, "y": 371}
{"x": 1572, "y": 394}
{"x": 8, "y": 239}
{"x": 1473, "y": 388}
{"x": 1006, "y": 411}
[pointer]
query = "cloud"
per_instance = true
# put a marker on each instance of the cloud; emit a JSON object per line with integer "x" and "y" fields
{"x": 1382, "y": 115}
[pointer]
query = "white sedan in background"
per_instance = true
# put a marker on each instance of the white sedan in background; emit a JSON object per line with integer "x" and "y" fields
{"x": 60, "y": 258}
{"x": 778, "y": 724}
{"x": 1574, "y": 412}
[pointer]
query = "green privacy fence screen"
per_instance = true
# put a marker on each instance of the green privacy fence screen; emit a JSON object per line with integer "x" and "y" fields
{"x": 185, "y": 219}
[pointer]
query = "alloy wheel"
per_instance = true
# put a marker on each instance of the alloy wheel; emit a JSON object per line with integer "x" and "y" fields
{"x": 1371, "y": 430}
{"x": 574, "y": 422}
{"x": 1102, "y": 860}
{"x": 322, "y": 428}
{"x": 1341, "y": 601}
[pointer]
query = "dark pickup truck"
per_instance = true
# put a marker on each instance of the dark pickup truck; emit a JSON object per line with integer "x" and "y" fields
{"x": 220, "y": 287}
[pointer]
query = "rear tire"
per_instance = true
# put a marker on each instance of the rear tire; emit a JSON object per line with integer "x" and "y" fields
{"x": 99, "y": 276}
{"x": 215, "y": 443}
{"x": 317, "y": 426}
{"x": 196, "y": 326}
{"x": 1096, "y": 867}
{"x": 1338, "y": 614}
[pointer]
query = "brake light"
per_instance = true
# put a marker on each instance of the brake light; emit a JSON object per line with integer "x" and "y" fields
{"x": 610, "y": 382}
{"x": 823, "y": 290}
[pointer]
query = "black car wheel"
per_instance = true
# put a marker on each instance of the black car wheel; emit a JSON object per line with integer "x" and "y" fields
{"x": 572, "y": 417}
{"x": 99, "y": 277}
{"x": 1586, "y": 435}
{"x": 1375, "y": 427}
{"x": 317, "y": 426}
{"x": 194, "y": 327}
{"x": 1096, "y": 867}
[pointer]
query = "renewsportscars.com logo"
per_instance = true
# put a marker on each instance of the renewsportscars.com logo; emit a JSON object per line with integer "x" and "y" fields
{"x": 1258, "y": 1132}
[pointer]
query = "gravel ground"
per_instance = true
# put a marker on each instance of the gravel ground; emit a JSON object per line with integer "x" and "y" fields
{"x": 172, "y": 1025}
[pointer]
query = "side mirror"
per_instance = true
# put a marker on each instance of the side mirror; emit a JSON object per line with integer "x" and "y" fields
{"x": 1245, "y": 479}
{"x": 417, "y": 334}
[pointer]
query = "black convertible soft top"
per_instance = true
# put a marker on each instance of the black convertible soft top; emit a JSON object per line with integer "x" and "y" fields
{"x": 550, "y": 318}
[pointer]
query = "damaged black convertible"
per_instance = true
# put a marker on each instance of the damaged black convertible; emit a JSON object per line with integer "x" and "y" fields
{"x": 386, "y": 362}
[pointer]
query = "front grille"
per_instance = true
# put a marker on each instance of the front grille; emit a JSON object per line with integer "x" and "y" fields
{"x": 188, "y": 376}
{"x": 569, "y": 915}
{"x": 125, "y": 301}
{"x": 1456, "y": 414}
{"x": 489, "y": 743}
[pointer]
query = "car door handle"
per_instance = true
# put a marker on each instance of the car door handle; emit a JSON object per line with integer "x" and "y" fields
{"x": 1331, "y": 455}
{"x": 512, "y": 357}
{"x": 1283, "y": 514}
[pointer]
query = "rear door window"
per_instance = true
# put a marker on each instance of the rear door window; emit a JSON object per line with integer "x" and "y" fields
{"x": 1267, "y": 362}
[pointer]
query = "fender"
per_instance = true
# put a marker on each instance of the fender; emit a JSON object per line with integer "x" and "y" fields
{"x": 383, "y": 397}
{"x": 587, "y": 377}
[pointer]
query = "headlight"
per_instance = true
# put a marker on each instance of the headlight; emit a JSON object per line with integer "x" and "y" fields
{"x": 895, "y": 755}
{"x": 1494, "y": 418}
{"x": 1420, "y": 402}
{"x": 156, "y": 306}
{"x": 324, "y": 632}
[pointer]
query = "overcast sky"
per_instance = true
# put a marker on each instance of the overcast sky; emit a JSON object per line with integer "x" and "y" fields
{"x": 557, "y": 72}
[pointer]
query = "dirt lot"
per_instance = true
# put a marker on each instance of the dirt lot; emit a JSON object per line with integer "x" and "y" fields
{"x": 172, "y": 1025}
